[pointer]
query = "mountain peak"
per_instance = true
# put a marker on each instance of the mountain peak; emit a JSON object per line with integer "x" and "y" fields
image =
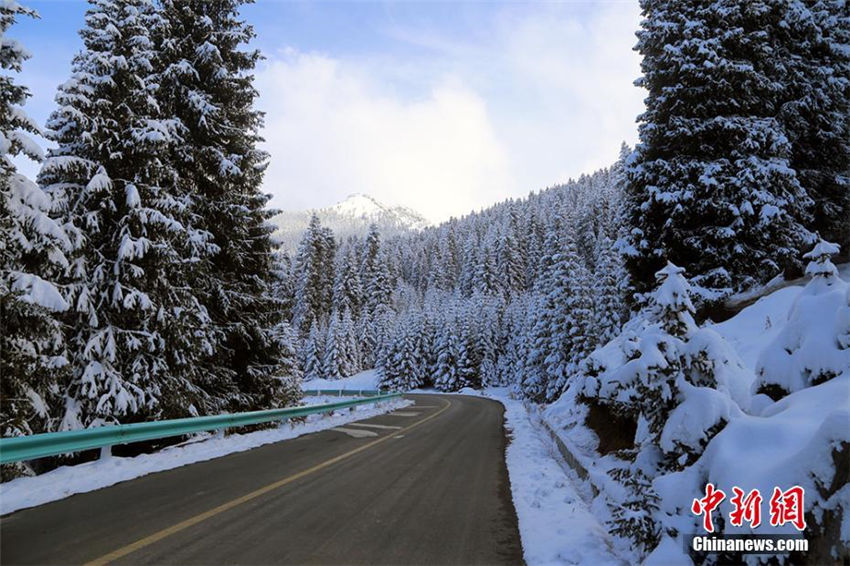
{"x": 358, "y": 204}
{"x": 351, "y": 216}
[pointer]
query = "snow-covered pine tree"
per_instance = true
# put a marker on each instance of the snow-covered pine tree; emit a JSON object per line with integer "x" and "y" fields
{"x": 400, "y": 361}
{"x": 535, "y": 379}
{"x": 563, "y": 318}
{"x": 511, "y": 361}
{"x": 485, "y": 314}
{"x": 333, "y": 359}
{"x": 673, "y": 309}
{"x": 312, "y": 353}
{"x": 351, "y": 356}
{"x": 32, "y": 256}
{"x": 472, "y": 345}
{"x": 433, "y": 323}
{"x": 377, "y": 281}
{"x": 812, "y": 40}
{"x": 289, "y": 373}
{"x": 137, "y": 334}
{"x": 609, "y": 313}
{"x": 312, "y": 294}
{"x": 511, "y": 264}
{"x": 378, "y": 290}
{"x": 571, "y": 323}
{"x": 449, "y": 350}
{"x": 661, "y": 372}
{"x": 206, "y": 85}
{"x": 347, "y": 287}
{"x": 283, "y": 287}
{"x": 486, "y": 279}
{"x": 646, "y": 389}
{"x": 710, "y": 183}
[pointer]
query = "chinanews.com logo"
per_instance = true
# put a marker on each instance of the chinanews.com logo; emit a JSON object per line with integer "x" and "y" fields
{"x": 784, "y": 508}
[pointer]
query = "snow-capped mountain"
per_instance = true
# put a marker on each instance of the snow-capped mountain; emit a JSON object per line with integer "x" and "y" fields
{"x": 352, "y": 216}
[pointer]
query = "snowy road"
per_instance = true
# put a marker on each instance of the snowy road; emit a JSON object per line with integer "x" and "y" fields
{"x": 429, "y": 485}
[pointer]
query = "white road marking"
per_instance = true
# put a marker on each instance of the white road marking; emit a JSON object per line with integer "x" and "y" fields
{"x": 369, "y": 425}
{"x": 355, "y": 433}
{"x": 426, "y": 407}
{"x": 403, "y": 414}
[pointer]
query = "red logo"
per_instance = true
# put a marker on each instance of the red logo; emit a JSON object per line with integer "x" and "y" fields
{"x": 746, "y": 508}
{"x": 785, "y": 507}
{"x": 708, "y": 504}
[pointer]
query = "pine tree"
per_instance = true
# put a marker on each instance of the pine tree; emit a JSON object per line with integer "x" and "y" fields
{"x": 515, "y": 332}
{"x": 206, "y": 84}
{"x": 400, "y": 362}
{"x": 673, "y": 309}
{"x": 137, "y": 334}
{"x": 351, "y": 356}
{"x": 535, "y": 379}
{"x": 312, "y": 353}
{"x": 377, "y": 282}
{"x": 470, "y": 353}
{"x": 283, "y": 286}
{"x": 646, "y": 388}
{"x": 289, "y": 372}
{"x": 561, "y": 332}
{"x": 333, "y": 359}
{"x": 511, "y": 264}
{"x": 811, "y": 40}
{"x": 710, "y": 185}
{"x": 377, "y": 289}
{"x": 609, "y": 313}
{"x": 312, "y": 292}
{"x": 347, "y": 287}
{"x": 32, "y": 256}
{"x": 486, "y": 277}
{"x": 449, "y": 350}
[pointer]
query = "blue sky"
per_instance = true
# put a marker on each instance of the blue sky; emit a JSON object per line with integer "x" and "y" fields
{"x": 441, "y": 106}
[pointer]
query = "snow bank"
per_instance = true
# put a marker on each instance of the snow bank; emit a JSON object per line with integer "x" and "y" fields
{"x": 555, "y": 524}
{"x": 66, "y": 481}
{"x": 808, "y": 351}
{"x": 790, "y": 444}
{"x": 752, "y": 329}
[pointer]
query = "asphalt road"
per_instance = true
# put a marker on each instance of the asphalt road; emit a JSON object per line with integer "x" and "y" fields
{"x": 427, "y": 485}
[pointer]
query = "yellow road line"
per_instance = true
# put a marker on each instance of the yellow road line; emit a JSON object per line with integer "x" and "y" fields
{"x": 182, "y": 525}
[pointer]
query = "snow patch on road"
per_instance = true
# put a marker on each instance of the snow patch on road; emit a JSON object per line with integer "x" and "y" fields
{"x": 68, "y": 480}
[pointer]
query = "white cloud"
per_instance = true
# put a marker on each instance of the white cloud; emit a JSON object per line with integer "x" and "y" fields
{"x": 332, "y": 130}
{"x": 533, "y": 99}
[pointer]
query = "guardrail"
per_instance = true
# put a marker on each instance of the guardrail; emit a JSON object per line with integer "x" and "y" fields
{"x": 343, "y": 392}
{"x": 20, "y": 448}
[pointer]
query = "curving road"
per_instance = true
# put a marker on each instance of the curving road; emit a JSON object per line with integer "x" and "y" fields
{"x": 426, "y": 484}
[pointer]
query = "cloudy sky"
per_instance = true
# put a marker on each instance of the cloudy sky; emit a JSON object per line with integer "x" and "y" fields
{"x": 444, "y": 107}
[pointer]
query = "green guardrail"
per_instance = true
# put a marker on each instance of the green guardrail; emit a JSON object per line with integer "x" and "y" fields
{"x": 20, "y": 448}
{"x": 343, "y": 392}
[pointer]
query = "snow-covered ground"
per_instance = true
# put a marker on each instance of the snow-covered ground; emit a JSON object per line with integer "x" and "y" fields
{"x": 790, "y": 338}
{"x": 556, "y": 526}
{"x": 68, "y": 480}
{"x": 365, "y": 380}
